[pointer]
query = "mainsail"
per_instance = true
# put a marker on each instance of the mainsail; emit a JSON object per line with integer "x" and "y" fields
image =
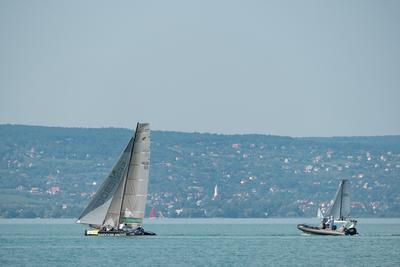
{"x": 122, "y": 196}
{"x": 135, "y": 189}
{"x": 340, "y": 209}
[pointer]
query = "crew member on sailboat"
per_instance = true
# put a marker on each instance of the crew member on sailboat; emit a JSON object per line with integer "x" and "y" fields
{"x": 119, "y": 204}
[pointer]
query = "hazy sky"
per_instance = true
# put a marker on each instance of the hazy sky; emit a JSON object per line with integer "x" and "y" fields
{"x": 297, "y": 68}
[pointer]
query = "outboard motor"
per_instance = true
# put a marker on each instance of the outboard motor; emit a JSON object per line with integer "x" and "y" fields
{"x": 350, "y": 231}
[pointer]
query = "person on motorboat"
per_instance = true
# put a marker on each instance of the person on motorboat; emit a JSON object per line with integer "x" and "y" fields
{"x": 324, "y": 223}
{"x": 330, "y": 222}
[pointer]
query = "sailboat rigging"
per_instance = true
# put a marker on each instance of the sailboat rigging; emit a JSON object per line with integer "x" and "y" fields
{"x": 118, "y": 206}
{"x": 320, "y": 215}
{"x": 338, "y": 212}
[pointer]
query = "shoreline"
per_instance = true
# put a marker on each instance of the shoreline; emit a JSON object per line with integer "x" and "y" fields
{"x": 202, "y": 221}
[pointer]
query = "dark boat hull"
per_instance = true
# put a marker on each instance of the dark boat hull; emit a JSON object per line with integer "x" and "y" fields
{"x": 136, "y": 232}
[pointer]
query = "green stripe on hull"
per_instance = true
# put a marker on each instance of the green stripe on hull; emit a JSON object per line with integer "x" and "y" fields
{"x": 132, "y": 220}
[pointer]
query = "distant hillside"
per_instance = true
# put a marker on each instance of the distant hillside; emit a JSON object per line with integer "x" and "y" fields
{"x": 53, "y": 172}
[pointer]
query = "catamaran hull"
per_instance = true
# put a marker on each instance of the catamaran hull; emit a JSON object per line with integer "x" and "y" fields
{"x": 319, "y": 231}
{"x": 138, "y": 234}
{"x": 95, "y": 232}
{"x": 92, "y": 232}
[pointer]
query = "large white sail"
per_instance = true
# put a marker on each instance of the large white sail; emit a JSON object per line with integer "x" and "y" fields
{"x": 340, "y": 209}
{"x": 96, "y": 211}
{"x": 135, "y": 191}
{"x": 114, "y": 211}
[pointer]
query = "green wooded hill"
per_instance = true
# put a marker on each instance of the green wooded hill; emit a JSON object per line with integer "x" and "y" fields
{"x": 53, "y": 172}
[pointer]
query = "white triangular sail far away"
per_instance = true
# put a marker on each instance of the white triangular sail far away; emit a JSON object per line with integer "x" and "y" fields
{"x": 121, "y": 199}
{"x": 340, "y": 208}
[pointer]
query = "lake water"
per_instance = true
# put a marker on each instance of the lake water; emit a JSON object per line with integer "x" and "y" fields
{"x": 198, "y": 242}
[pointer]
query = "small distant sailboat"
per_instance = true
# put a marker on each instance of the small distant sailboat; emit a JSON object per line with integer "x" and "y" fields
{"x": 215, "y": 196}
{"x": 118, "y": 207}
{"x": 338, "y": 212}
{"x": 153, "y": 214}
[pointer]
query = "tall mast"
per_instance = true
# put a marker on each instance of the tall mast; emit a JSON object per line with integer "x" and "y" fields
{"x": 127, "y": 172}
{"x": 341, "y": 199}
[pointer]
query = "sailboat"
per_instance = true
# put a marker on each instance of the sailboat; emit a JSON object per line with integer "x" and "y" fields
{"x": 215, "y": 192}
{"x": 117, "y": 209}
{"x": 338, "y": 212}
{"x": 153, "y": 214}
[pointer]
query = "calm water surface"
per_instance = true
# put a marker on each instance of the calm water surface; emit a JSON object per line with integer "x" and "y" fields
{"x": 198, "y": 242}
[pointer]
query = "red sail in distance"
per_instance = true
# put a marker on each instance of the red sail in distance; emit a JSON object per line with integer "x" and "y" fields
{"x": 153, "y": 213}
